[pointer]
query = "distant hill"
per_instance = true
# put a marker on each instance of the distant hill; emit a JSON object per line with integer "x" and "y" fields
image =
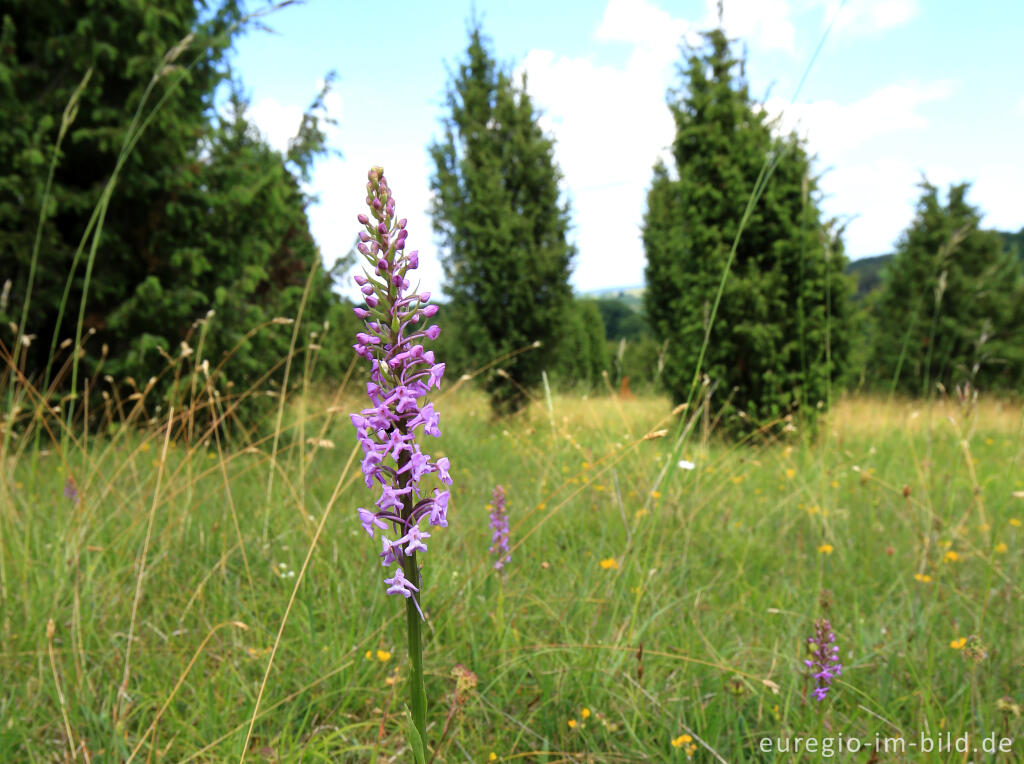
{"x": 1014, "y": 242}
{"x": 633, "y": 296}
{"x": 868, "y": 272}
{"x": 622, "y": 310}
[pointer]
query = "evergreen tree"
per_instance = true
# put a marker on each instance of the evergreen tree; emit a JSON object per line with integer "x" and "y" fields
{"x": 950, "y": 309}
{"x": 502, "y": 227}
{"x": 779, "y": 334}
{"x": 203, "y": 215}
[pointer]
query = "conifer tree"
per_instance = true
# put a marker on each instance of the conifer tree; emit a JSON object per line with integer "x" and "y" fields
{"x": 779, "y": 334}
{"x": 501, "y": 225}
{"x": 203, "y": 215}
{"x": 950, "y": 309}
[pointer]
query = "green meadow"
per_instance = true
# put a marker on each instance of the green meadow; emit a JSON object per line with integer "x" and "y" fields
{"x": 174, "y": 594}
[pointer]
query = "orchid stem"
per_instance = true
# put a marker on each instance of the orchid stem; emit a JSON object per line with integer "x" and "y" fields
{"x": 417, "y": 693}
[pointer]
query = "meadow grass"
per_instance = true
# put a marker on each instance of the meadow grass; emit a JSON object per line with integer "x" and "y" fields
{"x": 159, "y": 592}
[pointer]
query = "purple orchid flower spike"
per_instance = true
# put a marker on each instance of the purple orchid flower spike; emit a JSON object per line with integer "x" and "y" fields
{"x": 499, "y": 526}
{"x": 402, "y": 371}
{"x": 824, "y": 660}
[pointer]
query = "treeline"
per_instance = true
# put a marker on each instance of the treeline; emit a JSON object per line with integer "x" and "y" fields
{"x": 626, "y": 325}
{"x": 748, "y": 305}
{"x": 150, "y": 241}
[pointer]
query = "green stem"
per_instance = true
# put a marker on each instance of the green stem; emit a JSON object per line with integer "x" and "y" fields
{"x": 417, "y": 694}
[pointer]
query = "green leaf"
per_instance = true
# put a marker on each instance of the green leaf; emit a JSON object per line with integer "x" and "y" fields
{"x": 415, "y": 741}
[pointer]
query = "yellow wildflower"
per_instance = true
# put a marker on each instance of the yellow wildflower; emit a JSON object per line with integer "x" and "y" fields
{"x": 826, "y": 549}
{"x": 790, "y": 473}
{"x": 951, "y": 556}
{"x": 1001, "y": 548}
{"x": 657, "y": 495}
{"x": 493, "y": 756}
{"x": 958, "y": 644}
{"x": 610, "y": 563}
{"x": 924, "y": 578}
{"x": 641, "y": 513}
{"x": 1014, "y": 522}
{"x": 682, "y": 740}
{"x": 383, "y": 656}
{"x": 572, "y": 724}
{"x": 585, "y": 713}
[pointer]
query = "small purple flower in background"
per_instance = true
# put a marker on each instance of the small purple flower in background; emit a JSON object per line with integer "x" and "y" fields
{"x": 70, "y": 490}
{"x": 401, "y": 373}
{"x": 499, "y": 524}
{"x": 824, "y": 660}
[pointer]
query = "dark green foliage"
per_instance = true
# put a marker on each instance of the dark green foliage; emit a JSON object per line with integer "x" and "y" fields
{"x": 951, "y": 308}
{"x": 203, "y": 216}
{"x": 585, "y": 358}
{"x": 1014, "y": 243}
{"x": 867, "y": 274}
{"x": 502, "y": 227}
{"x": 621, "y": 319}
{"x": 779, "y": 337}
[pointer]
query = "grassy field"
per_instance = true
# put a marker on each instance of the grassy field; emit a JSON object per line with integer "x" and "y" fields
{"x": 161, "y": 591}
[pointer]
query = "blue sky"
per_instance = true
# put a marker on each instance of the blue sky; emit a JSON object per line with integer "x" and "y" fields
{"x": 900, "y": 88}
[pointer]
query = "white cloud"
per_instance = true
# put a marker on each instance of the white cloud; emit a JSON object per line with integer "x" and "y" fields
{"x": 869, "y": 16}
{"x": 606, "y": 146}
{"x": 882, "y": 192}
{"x": 764, "y": 23}
{"x": 640, "y": 23}
{"x": 863, "y": 174}
{"x": 832, "y": 128}
{"x": 277, "y": 122}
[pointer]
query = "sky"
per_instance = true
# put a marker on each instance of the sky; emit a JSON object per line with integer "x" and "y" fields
{"x": 899, "y": 90}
